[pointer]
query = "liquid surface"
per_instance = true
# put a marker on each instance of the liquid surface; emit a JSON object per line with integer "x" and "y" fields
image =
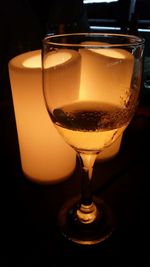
{"x": 90, "y": 126}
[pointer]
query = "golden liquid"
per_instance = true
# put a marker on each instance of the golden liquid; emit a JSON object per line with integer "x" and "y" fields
{"x": 90, "y": 126}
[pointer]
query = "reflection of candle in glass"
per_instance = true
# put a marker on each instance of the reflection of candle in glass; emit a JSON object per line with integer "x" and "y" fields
{"x": 45, "y": 157}
{"x": 109, "y": 71}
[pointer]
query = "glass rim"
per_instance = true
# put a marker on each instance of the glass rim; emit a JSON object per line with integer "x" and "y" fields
{"x": 133, "y": 40}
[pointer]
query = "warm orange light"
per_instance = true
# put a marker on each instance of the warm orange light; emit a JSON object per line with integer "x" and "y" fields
{"x": 45, "y": 157}
{"x": 110, "y": 79}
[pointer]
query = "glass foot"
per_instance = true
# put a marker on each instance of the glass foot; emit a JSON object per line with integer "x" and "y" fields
{"x": 86, "y": 233}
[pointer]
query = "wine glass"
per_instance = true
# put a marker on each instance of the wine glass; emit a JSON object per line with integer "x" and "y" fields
{"x": 91, "y": 87}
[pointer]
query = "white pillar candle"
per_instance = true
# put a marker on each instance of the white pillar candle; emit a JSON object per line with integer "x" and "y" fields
{"x": 45, "y": 157}
{"x": 109, "y": 72}
{"x": 62, "y": 77}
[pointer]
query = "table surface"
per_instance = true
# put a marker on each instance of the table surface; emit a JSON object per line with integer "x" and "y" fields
{"x": 30, "y": 235}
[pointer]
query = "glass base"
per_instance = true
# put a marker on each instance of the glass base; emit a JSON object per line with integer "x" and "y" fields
{"x": 87, "y": 234}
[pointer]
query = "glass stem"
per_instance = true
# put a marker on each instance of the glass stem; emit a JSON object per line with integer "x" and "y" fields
{"x": 87, "y": 211}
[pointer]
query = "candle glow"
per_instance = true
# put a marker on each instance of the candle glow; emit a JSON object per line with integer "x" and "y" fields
{"x": 45, "y": 157}
{"x": 114, "y": 73}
